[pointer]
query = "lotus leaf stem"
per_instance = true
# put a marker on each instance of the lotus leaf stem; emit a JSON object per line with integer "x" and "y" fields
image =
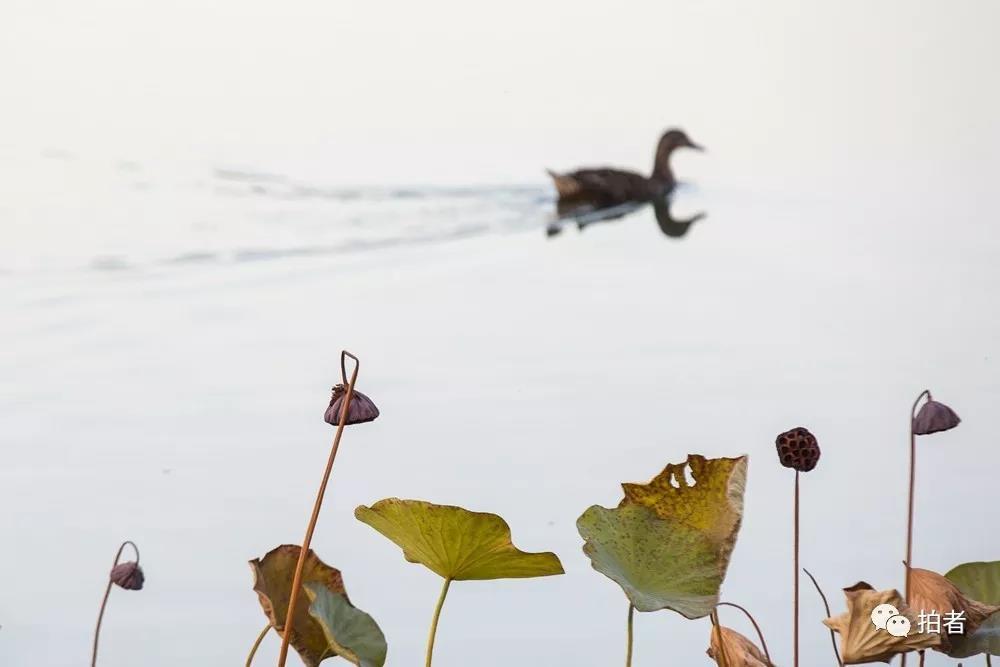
{"x": 434, "y": 621}
{"x": 760, "y": 635}
{"x": 722, "y": 660}
{"x": 256, "y": 644}
{"x": 826, "y": 605}
{"x": 628, "y": 645}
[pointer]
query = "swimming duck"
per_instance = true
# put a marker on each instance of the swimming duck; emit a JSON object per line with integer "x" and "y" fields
{"x": 610, "y": 187}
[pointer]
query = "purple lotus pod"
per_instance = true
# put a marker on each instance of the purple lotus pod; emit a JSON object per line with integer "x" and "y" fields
{"x": 934, "y": 417}
{"x": 128, "y": 575}
{"x": 361, "y": 409}
{"x": 798, "y": 449}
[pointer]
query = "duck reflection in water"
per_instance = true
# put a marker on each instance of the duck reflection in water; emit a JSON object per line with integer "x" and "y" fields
{"x": 587, "y": 196}
{"x": 584, "y": 217}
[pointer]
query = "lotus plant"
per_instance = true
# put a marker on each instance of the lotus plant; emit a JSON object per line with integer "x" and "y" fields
{"x": 455, "y": 544}
{"x": 128, "y": 576}
{"x": 798, "y": 450}
{"x": 933, "y": 417}
{"x": 339, "y": 413}
{"x": 668, "y": 543}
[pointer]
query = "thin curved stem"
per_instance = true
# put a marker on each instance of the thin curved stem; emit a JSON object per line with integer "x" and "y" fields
{"x": 256, "y": 644}
{"x": 344, "y": 355}
{"x": 795, "y": 602}
{"x": 909, "y": 506}
{"x": 100, "y": 618}
{"x": 628, "y": 645}
{"x": 107, "y": 593}
{"x": 826, "y": 605}
{"x": 760, "y": 635}
{"x": 722, "y": 659}
{"x": 434, "y": 621}
{"x": 910, "y": 501}
{"x": 122, "y": 548}
{"x": 293, "y": 595}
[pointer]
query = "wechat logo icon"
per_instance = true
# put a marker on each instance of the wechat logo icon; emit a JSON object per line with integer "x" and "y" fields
{"x": 887, "y": 617}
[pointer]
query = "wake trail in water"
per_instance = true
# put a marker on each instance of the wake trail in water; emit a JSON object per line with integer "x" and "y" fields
{"x": 126, "y": 215}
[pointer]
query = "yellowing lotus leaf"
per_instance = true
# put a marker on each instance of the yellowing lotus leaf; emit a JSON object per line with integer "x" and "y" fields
{"x": 273, "y": 576}
{"x": 712, "y": 505}
{"x": 861, "y": 641}
{"x": 352, "y": 633}
{"x": 659, "y": 563}
{"x": 455, "y": 543}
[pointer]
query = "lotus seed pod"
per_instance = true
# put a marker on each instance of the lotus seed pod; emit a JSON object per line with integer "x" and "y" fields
{"x": 361, "y": 409}
{"x": 128, "y": 575}
{"x": 798, "y": 449}
{"x": 934, "y": 417}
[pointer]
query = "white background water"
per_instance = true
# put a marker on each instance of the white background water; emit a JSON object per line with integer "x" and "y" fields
{"x": 173, "y": 311}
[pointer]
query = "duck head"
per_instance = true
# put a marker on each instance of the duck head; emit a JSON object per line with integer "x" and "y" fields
{"x": 669, "y": 142}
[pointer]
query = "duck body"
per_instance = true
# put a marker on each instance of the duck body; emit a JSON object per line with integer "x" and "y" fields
{"x": 603, "y": 187}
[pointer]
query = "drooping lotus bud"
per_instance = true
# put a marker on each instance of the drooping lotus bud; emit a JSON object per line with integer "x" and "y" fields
{"x": 798, "y": 449}
{"x": 934, "y": 417}
{"x": 361, "y": 409}
{"x": 731, "y": 649}
{"x": 128, "y": 575}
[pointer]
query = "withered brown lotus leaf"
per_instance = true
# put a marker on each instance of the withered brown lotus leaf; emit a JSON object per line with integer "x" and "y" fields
{"x": 737, "y": 649}
{"x": 798, "y": 449}
{"x": 128, "y": 575}
{"x": 273, "y": 576}
{"x": 934, "y": 417}
{"x": 861, "y": 641}
{"x": 931, "y": 592}
{"x": 362, "y": 409}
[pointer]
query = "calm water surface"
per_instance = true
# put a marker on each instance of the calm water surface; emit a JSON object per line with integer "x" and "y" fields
{"x": 170, "y": 335}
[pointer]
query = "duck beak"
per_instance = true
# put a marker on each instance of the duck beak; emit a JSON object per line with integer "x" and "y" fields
{"x": 697, "y": 147}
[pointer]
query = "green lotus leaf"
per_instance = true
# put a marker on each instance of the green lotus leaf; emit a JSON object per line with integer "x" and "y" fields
{"x": 454, "y": 542}
{"x": 659, "y": 563}
{"x": 352, "y": 633}
{"x": 273, "y": 576}
{"x": 980, "y": 582}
